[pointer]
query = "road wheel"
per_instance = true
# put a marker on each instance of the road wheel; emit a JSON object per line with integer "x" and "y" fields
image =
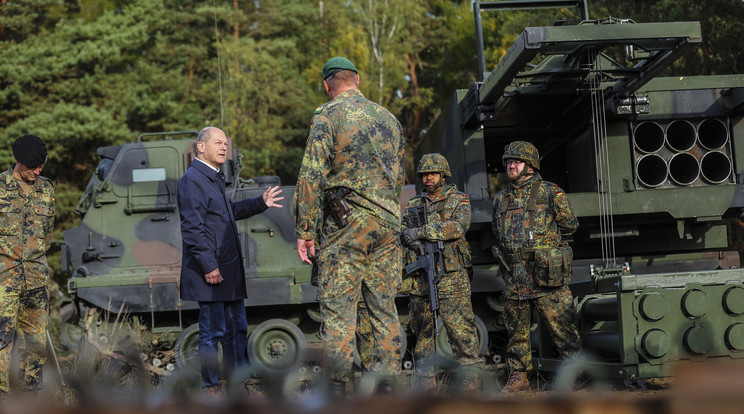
{"x": 70, "y": 332}
{"x": 443, "y": 347}
{"x": 276, "y": 345}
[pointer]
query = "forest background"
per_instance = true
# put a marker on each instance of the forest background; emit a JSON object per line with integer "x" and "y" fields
{"x": 88, "y": 73}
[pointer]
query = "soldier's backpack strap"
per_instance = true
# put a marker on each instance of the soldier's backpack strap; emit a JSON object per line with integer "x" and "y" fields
{"x": 531, "y": 209}
{"x": 503, "y": 208}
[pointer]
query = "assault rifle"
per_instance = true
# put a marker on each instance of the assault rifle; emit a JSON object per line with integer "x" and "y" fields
{"x": 431, "y": 261}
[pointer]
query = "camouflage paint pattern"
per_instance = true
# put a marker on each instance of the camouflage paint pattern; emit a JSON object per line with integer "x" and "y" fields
{"x": 23, "y": 322}
{"x": 557, "y": 312}
{"x": 448, "y": 220}
{"x": 360, "y": 261}
{"x": 364, "y": 336}
{"x": 357, "y": 144}
{"x": 522, "y": 150}
{"x": 139, "y": 254}
{"x": 458, "y": 318}
{"x": 433, "y": 163}
{"x": 26, "y": 224}
{"x": 554, "y": 219}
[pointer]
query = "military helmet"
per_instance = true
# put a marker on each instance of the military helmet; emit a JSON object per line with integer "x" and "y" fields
{"x": 522, "y": 150}
{"x": 433, "y": 163}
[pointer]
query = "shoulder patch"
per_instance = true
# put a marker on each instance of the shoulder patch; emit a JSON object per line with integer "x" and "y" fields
{"x": 464, "y": 198}
{"x": 554, "y": 187}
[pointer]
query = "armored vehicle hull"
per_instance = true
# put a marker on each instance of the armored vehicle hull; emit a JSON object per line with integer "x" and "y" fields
{"x": 124, "y": 260}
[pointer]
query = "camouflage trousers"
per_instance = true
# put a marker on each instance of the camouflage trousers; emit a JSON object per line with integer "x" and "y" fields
{"x": 557, "y": 312}
{"x": 23, "y": 320}
{"x": 458, "y": 319}
{"x": 362, "y": 260}
{"x": 364, "y": 336}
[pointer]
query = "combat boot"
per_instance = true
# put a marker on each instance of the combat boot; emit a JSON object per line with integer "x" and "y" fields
{"x": 472, "y": 384}
{"x": 517, "y": 382}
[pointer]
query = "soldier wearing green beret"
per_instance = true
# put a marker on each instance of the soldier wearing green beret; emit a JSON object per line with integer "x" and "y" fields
{"x": 26, "y": 225}
{"x": 348, "y": 191}
{"x": 531, "y": 219}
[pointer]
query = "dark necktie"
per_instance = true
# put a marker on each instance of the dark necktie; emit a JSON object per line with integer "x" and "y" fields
{"x": 221, "y": 181}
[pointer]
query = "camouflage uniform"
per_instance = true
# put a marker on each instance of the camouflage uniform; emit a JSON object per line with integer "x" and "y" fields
{"x": 26, "y": 223}
{"x": 540, "y": 265}
{"x": 358, "y": 145}
{"x": 448, "y": 218}
{"x": 364, "y": 336}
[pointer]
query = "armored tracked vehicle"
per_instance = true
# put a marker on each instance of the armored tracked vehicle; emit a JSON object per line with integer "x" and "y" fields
{"x": 125, "y": 257}
{"x": 652, "y": 166}
{"x": 124, "y": 260}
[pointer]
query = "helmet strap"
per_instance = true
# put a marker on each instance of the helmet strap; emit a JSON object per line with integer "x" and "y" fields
{"x": 440, "y": 184}
{"x": 525, "y": 172}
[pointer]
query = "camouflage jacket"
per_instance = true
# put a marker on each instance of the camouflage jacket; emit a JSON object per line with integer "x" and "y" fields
{"x": 357, "y": 144}
{"x": 553, "y": 220}
{"x": 26, "y": 225}
{"x": 448, "y": 218}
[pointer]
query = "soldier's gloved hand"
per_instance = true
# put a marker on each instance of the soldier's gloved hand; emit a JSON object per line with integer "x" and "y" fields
{"x": 408, "y": 236}
{"x": 417, "y": 247}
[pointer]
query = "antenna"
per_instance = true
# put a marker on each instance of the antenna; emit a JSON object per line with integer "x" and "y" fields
{"x": 219, "y": 64}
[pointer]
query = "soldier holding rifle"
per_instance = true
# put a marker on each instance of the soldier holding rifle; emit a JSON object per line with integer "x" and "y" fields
{"x": 443, "y": 229}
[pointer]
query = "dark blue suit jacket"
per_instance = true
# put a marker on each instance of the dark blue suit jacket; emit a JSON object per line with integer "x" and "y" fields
{"x": 210, "y": 235}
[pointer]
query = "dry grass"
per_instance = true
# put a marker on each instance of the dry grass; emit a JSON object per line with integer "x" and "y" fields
{"x": 112, "y": 372}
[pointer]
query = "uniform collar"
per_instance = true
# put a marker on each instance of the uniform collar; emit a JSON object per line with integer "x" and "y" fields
{"x": 530, "y": 180}
{"x": 349, "y": 93}
{"x": 11, "y": 183}
{"x": 446, "y": 191}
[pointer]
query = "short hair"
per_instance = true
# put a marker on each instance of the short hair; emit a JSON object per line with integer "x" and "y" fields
{"x": 204, "y": 135}
{"x": 342, "y": 77}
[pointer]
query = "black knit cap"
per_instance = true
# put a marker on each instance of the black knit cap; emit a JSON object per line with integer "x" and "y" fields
{"x": 30, "y": 151}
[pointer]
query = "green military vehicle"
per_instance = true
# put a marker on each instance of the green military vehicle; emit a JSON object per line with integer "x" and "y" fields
{"x": 125, "y": 257}
{"x": 652, "y": 166}
{"x": 124, "y": 261}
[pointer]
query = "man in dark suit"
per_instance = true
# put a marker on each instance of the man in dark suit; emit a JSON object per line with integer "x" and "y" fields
{"x": 212, "y": 270}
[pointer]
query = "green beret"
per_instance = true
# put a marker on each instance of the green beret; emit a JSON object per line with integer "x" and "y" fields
{"x": 336, "y": 64}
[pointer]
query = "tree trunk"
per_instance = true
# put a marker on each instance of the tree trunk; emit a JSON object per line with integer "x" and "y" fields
{"x": 236, "y": 29}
